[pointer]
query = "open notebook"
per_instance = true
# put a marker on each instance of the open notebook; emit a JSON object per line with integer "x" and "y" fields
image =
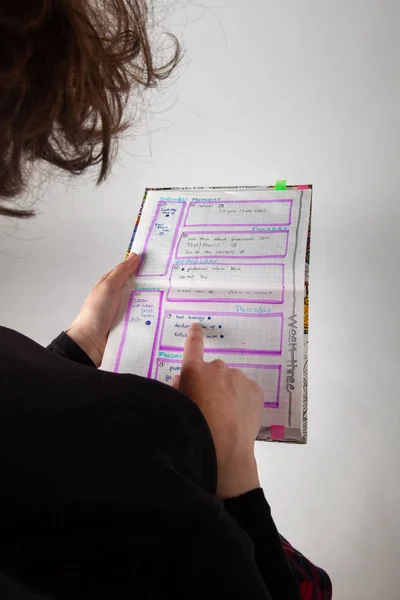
{"x": 235, "y": 260}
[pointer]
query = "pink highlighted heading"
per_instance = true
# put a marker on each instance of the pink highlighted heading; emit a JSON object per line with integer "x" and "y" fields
{"x": 262, "y": 234}
{"x": 195, "y": 206}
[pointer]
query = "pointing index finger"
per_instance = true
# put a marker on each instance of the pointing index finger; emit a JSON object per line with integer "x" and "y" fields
{"x": 194, "y": 345}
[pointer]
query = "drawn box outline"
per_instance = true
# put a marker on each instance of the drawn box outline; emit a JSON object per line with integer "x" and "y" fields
{"x": 263, "y": 256}
{"x": 160, "y": 204}
{"x": 242, "y": 351}
{"x": 230, "y": 300}
{"x": 190, "y": 204}
{"x": 236, "y": 366}
{"x": 126, "y": 325}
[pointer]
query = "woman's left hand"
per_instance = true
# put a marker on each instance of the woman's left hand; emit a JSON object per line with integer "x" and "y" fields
{"x": 91, "y": 327}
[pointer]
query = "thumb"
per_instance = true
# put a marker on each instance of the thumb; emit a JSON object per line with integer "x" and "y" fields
{"x": 116, "y": 278}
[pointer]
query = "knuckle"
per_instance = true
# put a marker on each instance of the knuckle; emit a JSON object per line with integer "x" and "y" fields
{"x": 218, "y": 364}
{"x": 238, "y": 374}
{"x": 190, "y": 367}
{"x": 107, "y": 285}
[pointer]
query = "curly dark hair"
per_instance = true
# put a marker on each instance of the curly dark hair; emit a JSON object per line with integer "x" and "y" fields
{"x": 67, "y": 68}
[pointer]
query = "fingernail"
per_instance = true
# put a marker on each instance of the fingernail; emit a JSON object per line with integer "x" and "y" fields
{"x": 132, "y": 256}
{"x": 195, "y": 327}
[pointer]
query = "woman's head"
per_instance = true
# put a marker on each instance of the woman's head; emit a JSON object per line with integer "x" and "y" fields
{"x": 66, "y": 70}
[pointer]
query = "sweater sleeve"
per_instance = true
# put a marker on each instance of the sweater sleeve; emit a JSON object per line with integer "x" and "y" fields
{"x": 289, "y": 574}
{"x": 252, "y": 512}
{"x": 64, "y": 346}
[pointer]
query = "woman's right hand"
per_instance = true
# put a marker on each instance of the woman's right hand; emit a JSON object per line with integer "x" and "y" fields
{"x": 232, "y": 405}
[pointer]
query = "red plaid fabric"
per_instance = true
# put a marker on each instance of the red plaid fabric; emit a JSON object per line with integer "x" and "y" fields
{"x": 313, "y": 582}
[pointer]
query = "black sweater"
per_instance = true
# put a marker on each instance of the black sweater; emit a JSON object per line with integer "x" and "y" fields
{"x": 108, "y": 490}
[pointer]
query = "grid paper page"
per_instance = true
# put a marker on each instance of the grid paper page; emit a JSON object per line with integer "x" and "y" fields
{"x": 232, "y": 259}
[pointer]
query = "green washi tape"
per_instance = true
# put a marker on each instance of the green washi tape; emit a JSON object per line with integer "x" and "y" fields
{"x": 281, "y": 184}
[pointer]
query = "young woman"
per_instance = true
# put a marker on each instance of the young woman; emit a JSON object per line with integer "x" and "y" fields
{"x": 114, "y": 486}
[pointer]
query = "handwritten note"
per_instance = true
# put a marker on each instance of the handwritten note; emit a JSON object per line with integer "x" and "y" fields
{"x": 242, "y": 244}
{"x": 233, "y": 260}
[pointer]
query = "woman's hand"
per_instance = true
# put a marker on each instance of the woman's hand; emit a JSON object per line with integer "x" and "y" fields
{"x": 232, "y": 405}
{"x": 91, "y": 327}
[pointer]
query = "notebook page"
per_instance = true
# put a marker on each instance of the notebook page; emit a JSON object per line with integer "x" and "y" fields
{"x": 232, "y": 259}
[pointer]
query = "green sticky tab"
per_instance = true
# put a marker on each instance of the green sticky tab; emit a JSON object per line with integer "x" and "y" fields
{"x": 281, "y": 184}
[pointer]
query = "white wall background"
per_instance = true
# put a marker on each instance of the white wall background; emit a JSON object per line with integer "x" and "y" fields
{"x": 308, "y": 91}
